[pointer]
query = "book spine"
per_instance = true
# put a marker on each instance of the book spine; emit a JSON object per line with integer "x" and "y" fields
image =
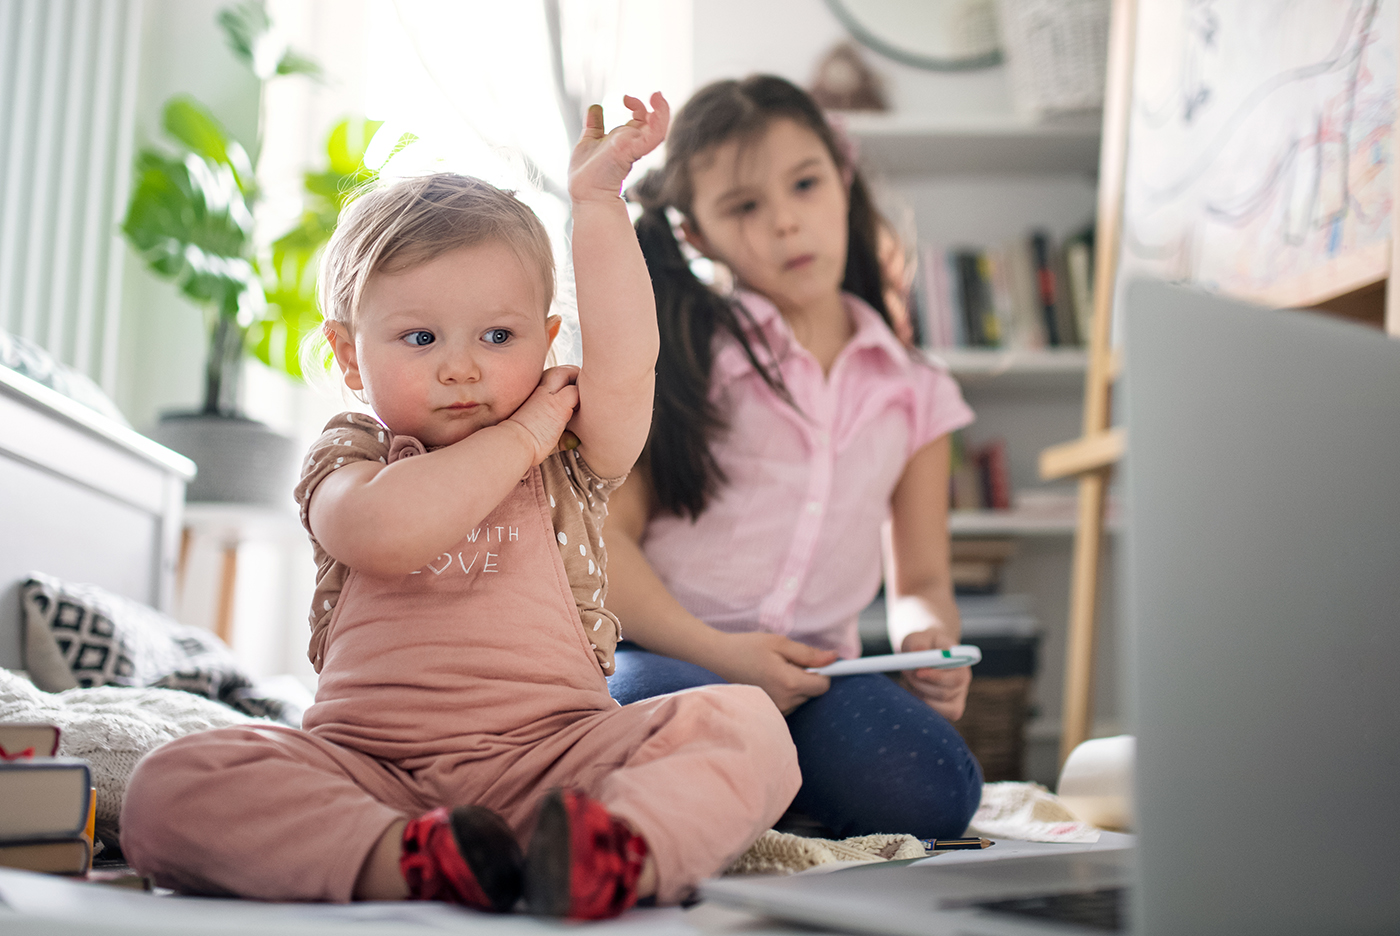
{"x": 998, "y": 477}
{"x": 957, "y": 331}
{"x": 1045, "y": 286}
{"x": 1079, "y": 259}
{"x": 969, "y": 298}
{"x": 1030, "y": 327}
{"x": 1064, "y": 302}
{"x": 987, "y": 313}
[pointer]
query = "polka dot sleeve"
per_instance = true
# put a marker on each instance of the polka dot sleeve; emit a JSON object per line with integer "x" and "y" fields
{"x": 578, "y": 505}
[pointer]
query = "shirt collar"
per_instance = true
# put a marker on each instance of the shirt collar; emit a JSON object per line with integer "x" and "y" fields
{"x": 871, "y": 332}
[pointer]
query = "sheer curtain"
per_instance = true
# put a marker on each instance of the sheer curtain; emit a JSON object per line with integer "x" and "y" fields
{"x": 498, "y": 89}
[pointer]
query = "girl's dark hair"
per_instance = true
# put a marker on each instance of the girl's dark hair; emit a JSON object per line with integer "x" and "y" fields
{"x": 684, "y": 473}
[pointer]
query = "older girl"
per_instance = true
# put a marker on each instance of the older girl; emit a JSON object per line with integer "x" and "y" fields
{"x": 790, "y": 424}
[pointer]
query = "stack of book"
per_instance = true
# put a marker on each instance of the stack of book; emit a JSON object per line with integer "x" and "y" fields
{"x": 979, "y": 477}
{"x": 976, "y": 564}
{"x": 1027, "y": 293}
{"x": 47, "y": 803}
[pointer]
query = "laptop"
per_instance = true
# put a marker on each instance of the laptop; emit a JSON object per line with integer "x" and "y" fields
{"x": 1262, "y": 656}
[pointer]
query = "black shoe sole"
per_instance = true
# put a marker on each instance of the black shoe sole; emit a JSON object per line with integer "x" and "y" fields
{"x": 491, "y": 852}
{"x": 548, "y": 860}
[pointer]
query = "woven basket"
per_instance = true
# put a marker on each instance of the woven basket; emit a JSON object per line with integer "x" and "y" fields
{"x": 993, "y": 725}
{"x": 1056, "y": 54}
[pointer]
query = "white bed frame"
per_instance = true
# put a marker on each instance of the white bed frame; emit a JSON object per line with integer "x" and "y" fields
{"x": 82, "y": 498}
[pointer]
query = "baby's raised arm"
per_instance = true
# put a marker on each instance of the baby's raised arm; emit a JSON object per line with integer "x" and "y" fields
{"x": 617, "y": 313}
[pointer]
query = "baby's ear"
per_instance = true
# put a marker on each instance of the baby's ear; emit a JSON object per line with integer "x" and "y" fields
{"x": 551, "y": 326}
{"x": 343, "y": 347}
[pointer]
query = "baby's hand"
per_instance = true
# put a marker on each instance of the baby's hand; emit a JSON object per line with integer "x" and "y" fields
{"x": 601, "y": 161}
{"x": 547, "y": 410}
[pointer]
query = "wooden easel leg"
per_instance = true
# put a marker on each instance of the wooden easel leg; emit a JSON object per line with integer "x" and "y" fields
{"x": 1077, "y": 712}
{"x": 223, "y": 622}
{"x": 186, "y": 540}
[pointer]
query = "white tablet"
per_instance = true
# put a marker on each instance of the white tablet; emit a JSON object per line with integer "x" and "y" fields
{"x": 951, "y": 658}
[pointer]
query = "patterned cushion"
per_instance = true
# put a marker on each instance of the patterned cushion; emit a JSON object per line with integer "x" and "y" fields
{"x": 84, "y": 636}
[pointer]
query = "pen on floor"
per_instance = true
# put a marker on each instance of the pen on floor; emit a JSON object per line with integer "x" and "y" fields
{"x": 945, "y": 844}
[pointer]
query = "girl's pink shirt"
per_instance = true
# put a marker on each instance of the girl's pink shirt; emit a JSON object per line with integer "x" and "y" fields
{"x": 792, "y": 543}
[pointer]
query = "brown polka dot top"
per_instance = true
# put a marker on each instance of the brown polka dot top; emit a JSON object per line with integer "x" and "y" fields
{"x": 578, "y": 500}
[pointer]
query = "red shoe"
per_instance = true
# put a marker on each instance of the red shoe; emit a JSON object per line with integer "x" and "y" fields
{"x": 583, "y": 863}
{"x": 468, "y": 856}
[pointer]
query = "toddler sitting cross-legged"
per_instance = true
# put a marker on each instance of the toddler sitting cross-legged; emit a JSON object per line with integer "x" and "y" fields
{"x": 460, "y": 626}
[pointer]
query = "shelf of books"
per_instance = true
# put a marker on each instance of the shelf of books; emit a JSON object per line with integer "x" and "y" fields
{"x": 1028, "y": 294}
{"x": 906, "y": 144}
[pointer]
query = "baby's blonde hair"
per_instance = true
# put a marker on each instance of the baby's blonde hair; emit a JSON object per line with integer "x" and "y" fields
{"x": 416, "y": 220}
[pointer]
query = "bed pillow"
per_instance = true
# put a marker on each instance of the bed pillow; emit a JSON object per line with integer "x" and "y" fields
{"x": 84, "y": 636}
{"x": 27, "y": 358}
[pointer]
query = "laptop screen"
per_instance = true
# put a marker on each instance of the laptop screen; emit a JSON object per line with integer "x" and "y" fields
{"x": 1262, "y": 510}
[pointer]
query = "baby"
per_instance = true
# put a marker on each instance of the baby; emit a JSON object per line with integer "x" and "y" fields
{"x": 459, "y": 623}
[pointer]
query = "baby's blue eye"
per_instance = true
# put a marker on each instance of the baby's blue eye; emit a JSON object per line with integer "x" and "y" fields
{"x": 498, "y": 336}
{"x": 419, "y": 338}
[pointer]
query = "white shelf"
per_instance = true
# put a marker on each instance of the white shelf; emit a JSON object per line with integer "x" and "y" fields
{"x": 899, "y": 144}
{"x": 1016, "y": 369}
{"x": 1037, "y": 513}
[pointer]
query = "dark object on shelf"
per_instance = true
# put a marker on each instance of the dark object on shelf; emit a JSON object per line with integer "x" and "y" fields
{"x": 843, "y": 81}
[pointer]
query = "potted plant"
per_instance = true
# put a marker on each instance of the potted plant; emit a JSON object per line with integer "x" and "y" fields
{"x": 191, "y": 219}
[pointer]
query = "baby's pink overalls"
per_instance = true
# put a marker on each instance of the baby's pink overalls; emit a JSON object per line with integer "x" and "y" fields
{"x": 469, "y": 683}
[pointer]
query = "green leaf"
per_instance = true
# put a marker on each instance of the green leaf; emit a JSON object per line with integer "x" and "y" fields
{"x": 189, "y": 221}
{"x": 249, "y": 32}
{"x": 243, "y": 23}
{"x": 348, "y": 142}
{"x": 294, "y": 63}
{"x": 192, "y": 124}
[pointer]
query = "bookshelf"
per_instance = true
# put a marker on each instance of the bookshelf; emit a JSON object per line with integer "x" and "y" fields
{"x": 984, "y": 181}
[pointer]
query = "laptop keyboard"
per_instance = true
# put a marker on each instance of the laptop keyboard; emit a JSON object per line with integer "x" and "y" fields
{"x": 1098, "y": 909}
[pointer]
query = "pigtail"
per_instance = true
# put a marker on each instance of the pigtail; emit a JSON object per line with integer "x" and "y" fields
{"x": 864, "y": 275}
{"x": 684, "y": 472}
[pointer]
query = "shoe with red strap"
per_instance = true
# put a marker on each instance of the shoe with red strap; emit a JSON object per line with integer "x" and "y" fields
{"x": 467, "y": 856}
{"x": 583, "y": 863}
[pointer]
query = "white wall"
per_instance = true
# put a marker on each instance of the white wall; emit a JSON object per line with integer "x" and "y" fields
{"x": 786, "y": 37}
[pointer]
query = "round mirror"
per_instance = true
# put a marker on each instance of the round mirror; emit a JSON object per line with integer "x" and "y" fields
{"x": 943, "y": 35}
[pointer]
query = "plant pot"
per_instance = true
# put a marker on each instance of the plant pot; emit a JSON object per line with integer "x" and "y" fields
{"x": 241, "y": 460}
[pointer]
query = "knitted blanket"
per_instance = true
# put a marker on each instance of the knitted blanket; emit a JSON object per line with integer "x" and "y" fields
{"x": 112, "y": 727}
{"x": 1009, "y": 810}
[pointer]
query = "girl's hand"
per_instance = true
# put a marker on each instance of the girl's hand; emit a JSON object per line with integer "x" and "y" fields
{"x": 547, "y": 410}
{"x": 943, "y": 690}
{"x": 777, "y": 665}
{"x": 601, "y": 161}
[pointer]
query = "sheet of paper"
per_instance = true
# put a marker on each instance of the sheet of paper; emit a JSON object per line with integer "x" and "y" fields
{"x": 42, "y": 903}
